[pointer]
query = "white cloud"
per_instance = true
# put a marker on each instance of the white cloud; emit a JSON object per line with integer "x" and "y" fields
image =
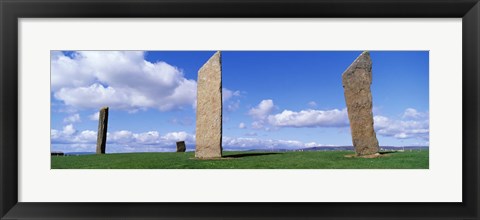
{"x": 310, "y": 118}
{"x": 232, "y": 105}
{"x": 260, "y": 113}
{"x": 417, "y": 127}
{"x": 415, "y": 124}
{"x": 94, "y": 116}
{"x": 68, "y": 129}
{"x": 242, "y": 125}
{"x": 121, "y": 137}
{"x": 262, "y": 110}
{"x": 312, "y": 104}
{"x": 86, "y": 136}
{"x": 411, "y": 113}
{"x": 185, "y": 121}
{"x": 227, "y": 94}
{"x": 71, "y": 140}
{"x": 68, "y": 72}
{"x": 255, "y": 143}
{"x": 178, "y": 136}
{"x": 257, "y": 125}
{"x": 72, "y": 118}
{"x": 305, "y": 118}
{"x": 119, "y": 79}
{"x": 149, "y": 138}
{"x": 70, "y": 135}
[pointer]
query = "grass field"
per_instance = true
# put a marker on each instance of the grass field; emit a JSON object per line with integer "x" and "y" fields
{"x": 245, "y": 160}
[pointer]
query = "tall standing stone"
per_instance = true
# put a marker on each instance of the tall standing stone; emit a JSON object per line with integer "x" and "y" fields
{"x": 356, "y": 82}
{"x": 102, "y": 130}
{"x": 209, "y": 109}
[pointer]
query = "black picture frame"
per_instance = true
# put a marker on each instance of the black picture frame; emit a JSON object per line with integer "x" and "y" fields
{"x": 12, "y": 10}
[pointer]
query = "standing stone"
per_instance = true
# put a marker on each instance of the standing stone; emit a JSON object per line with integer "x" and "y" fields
{"x": 209, "y": 109}
{"x": 356, "y": 82}
{"x": 181, "y": 146}
{"x": 102, "y": 130}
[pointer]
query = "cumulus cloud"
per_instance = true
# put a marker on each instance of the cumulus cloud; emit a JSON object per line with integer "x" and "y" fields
{"x": 310, "y": 118}
{"x": 86, "y": 136}
{"x": 119, "y": 79}
{"x": 227, "y": 94}
{"x": 185, "y": 121}
{"x": 257, "y": 125}
{"x": 68, "y": 130}
{"x": 149, "y": 138}
{"x": 232, "y": 105}
{"x": 179, "y": 136}
{"x": 263, "y": 117}
{"x": 94, "y": 116}
{"x": 69, "y": 139}
{"x": 242, "y": 125}
{"x": 414, "y": 126}
{"x": 70, "y": 135}
{"x": 411, "y": 113}
{"x": 119, "y": 141}
{"x": 255, "y": 143}
{"x": 72, "y": 118}
{"x": 260, "y": 113}
{"x": 262, "y": 110}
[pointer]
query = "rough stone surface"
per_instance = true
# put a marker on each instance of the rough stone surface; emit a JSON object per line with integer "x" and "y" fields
{"x": 209, "y": 109}
{"x": 181, "y": 146}
{"x": 102, "y": 130}
{"x": 356, "y": 82}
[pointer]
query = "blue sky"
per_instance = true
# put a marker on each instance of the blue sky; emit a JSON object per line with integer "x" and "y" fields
{"x": 272, "y": 99}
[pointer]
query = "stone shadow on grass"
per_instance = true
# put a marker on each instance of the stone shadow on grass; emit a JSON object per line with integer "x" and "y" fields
{"x": 247, "y": 155}
{"x": 388, "y": 152}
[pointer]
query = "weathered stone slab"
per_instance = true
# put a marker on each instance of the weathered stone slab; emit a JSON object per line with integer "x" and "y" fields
{"x": 356, "y": 82}
{"x": 181, "y": 147}
{"x": 102, "y": 130}
{"x": 209, "y": 109}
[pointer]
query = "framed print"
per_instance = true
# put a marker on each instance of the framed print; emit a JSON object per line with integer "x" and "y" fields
{"x": 205, "y": 109}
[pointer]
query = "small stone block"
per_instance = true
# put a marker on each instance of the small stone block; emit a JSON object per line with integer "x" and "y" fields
{"x": 181, "y": 146}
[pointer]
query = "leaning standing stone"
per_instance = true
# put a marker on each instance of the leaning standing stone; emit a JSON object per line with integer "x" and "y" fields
{"x": 181, "y": 146}
{"x": 102, "y": 130}
{"x": 209, "y": 109}
{"x": 356, "y": 82}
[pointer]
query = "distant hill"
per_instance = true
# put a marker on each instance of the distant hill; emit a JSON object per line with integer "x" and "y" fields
{"x": 405, "y": 148}
{"x": 342, "y": 148}
{"x": 382, "y": 148}
{"x": 78, "y": 153}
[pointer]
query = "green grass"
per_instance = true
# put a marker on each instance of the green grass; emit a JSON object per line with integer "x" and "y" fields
{"x": 244, "y": 160}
